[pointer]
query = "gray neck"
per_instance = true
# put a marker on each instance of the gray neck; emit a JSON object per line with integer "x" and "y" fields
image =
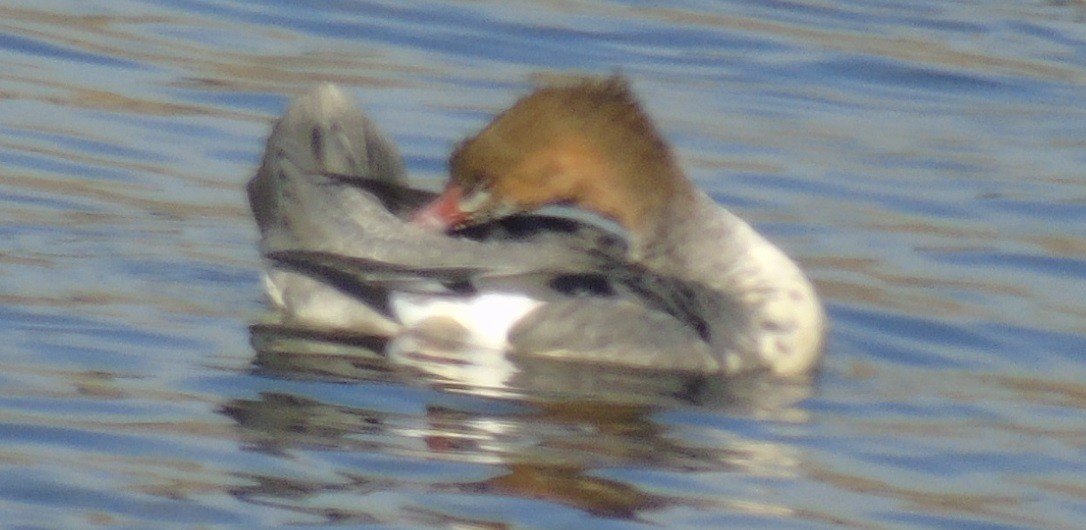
{"x": 761, "y": 308}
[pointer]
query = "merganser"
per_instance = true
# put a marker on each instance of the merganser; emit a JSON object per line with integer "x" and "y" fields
{"x": 685, "y": 284}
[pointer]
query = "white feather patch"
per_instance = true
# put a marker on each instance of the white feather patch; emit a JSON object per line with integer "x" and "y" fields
{"x": 487, "y": 318}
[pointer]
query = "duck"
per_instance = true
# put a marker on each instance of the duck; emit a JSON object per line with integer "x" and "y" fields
{"x": 567, "y": 231}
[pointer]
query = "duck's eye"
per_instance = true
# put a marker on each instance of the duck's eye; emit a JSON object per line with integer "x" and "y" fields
{"x": 479, "y": 181}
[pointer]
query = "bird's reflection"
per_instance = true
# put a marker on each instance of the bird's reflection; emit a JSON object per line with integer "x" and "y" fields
{"x": 543, "y": 434}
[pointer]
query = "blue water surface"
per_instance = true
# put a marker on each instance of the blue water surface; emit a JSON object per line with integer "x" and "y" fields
{"x": 925, "y": 161}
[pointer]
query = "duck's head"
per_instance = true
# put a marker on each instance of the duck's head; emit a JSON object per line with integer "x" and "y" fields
{"x": 586, "y": 144}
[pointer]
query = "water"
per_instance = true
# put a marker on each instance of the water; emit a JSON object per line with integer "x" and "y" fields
{"x": 924, "y": 160}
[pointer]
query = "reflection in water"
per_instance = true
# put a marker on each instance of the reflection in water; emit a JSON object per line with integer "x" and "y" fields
{"x": 571, "y": 486}
{"x": 547, "y": 434}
